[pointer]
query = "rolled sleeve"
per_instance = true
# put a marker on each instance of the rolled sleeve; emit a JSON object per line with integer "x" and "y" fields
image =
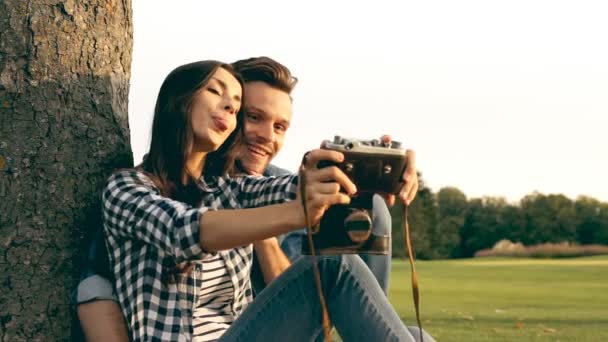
{"x": 93, "y": 288}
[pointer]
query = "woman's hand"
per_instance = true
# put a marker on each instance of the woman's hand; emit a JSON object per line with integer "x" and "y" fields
{"x": 322, "y": 186}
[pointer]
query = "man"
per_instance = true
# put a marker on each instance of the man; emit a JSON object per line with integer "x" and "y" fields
{"x": 268, "y": 112}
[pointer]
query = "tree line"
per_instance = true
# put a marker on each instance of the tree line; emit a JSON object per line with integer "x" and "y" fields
{"x": 447, "y": 224}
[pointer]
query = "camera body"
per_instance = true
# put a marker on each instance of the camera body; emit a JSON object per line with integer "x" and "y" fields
{"x": 374, "y": 166}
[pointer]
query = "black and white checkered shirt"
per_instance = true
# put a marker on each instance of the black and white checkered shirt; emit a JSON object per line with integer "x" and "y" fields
{"x": 148, "y": 234}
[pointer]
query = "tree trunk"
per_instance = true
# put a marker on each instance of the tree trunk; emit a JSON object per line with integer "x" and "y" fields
{"x": 64, "y": 83}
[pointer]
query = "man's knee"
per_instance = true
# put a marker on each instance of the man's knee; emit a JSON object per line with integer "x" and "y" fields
{"x": 382, "y": 223}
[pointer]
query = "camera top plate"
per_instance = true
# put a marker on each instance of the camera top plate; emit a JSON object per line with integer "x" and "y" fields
{"x": 373, "y": 165}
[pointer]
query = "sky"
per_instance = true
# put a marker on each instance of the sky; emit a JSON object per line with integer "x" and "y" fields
{"x": 497, "y": 98}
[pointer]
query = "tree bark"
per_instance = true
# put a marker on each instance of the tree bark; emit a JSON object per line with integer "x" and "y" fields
{"x": 64, "y": 83}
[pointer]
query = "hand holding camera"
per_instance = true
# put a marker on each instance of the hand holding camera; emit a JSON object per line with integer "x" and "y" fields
{"x": 374, "y": 166}
{"x": 323, "y": 187}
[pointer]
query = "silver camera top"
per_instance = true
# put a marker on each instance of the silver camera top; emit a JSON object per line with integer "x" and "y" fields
{"x": 374, "y": 146}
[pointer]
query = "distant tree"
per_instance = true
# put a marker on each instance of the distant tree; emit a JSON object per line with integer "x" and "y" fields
{"x": 602, "y": 234}
{"x": 64, "y": 82}
{"x": 451, "y": 209}
{"x": 592, "y": 218}
{"x": 512, "y": 224}
{"x": 482, "y": 225}
{"x": 472, "y": 225}
{"x": 549, "y": 218}
{"x": 451, "y": 202}
{"x": 422, "y": 220}
{"x": 446, "y": 225}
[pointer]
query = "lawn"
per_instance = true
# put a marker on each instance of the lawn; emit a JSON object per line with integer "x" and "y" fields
{"x": 505, "y": 299}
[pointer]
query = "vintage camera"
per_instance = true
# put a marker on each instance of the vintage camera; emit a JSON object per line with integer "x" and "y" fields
{"x": 375, "y": 166}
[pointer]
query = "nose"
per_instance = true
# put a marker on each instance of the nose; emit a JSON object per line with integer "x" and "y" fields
{"x": 265, "y": 132}
{"x": 230, "y": 106}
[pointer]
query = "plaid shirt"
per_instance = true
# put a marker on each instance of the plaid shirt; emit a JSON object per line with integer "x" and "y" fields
{"x": 148, "y": 234}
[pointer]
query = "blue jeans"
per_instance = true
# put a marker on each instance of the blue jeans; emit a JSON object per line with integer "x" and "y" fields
{"x": 288, "y": 309}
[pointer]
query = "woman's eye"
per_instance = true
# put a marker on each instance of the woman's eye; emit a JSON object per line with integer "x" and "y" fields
{"x": 213, "y": 90}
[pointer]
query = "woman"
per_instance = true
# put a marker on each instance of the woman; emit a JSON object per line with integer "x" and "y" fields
{"x": 170, "y": 211}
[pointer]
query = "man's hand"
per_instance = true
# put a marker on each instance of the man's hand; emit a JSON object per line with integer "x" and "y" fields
{"x": 410, "y": 189}
{"x": 408, "y": 193}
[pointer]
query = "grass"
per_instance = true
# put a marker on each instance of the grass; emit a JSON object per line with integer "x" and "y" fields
{"x": 507, "y": 299}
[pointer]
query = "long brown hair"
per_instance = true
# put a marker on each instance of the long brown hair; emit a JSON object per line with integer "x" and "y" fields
{"x": 172, "y": 135}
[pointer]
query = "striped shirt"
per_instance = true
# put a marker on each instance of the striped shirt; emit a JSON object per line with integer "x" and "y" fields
{"x": 214, "y": 293}
{"x": 148, "y": 234}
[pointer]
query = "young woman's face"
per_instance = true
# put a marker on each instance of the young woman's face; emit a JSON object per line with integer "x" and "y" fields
{"x": 213, "y": 112}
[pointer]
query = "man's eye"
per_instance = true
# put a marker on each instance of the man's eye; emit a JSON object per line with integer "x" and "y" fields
{"x": 280, "y": 128}
{"x": 253, "y": 117}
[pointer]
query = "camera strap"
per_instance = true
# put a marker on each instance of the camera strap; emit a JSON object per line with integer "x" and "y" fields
{"x": 315, "y": 266}
{"x": 317, "y": 274}
{"x": 410, "y": 252}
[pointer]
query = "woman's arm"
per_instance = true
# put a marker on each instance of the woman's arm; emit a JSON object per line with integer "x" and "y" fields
{"x": 133, "y": 207}
{"x": 224, "y": 229}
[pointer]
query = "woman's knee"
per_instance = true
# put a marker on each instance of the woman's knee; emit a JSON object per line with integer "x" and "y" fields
{"x": 337, "y": 271}
{"x": 341, "y": 263}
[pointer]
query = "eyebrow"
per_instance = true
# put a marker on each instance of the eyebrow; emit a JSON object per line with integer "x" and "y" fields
{"x": 224, "y": 87}
{"x": 261, "y": 111}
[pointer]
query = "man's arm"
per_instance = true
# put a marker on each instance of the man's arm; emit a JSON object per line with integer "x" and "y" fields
{"x": 271, "y": 258}
{"x": 98, "y": 311}
{"x": 102, "y": 321}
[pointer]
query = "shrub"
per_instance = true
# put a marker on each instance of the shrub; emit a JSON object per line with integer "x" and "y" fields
{"x": 544, "y": 250}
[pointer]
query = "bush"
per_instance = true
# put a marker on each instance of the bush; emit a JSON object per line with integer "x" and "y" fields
{"x": 544, "y": 250}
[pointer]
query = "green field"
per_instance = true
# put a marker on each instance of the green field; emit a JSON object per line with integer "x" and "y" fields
{"x": 504, "y": 299}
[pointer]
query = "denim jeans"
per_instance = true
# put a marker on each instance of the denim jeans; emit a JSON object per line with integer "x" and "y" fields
{"x": 288, "y": 309}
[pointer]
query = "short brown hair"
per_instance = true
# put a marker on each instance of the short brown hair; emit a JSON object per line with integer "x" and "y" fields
{"x": 267, "y": 70}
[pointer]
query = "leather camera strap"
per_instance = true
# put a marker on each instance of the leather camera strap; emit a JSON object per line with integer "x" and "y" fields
{"x": 326, "y": 321}
{"x": 410, "y": 252}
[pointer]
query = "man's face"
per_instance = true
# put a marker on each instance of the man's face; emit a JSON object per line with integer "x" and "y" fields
{"x": 267, "y": 118}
